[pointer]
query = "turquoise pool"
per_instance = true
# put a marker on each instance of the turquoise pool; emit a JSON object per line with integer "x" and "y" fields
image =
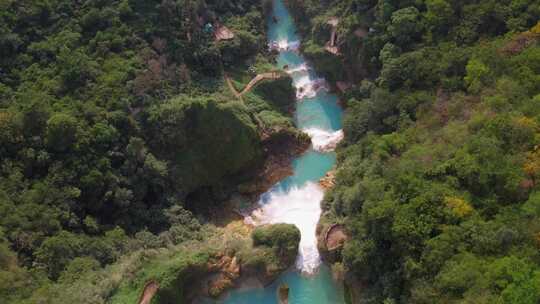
{"x": 297, "y": 198}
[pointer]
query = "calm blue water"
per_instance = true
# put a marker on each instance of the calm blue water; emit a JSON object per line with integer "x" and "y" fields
{"x": 321, "y": 111}
{"x": 319, "y": 289}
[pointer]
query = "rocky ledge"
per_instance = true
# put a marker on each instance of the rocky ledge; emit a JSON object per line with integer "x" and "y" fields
{"x": 224, "y": 271}
{"x": 270, "y": 251}
{"x": 281, "y": 146}
{"x": 257, "y": 258}
{"x": 331, "y": 239}
{"x": 327, "y": 182}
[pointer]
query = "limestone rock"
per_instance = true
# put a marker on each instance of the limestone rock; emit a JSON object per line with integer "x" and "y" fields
{"x": 283, "y": 294}
{"x": 225, "y": 270}
{"x": 327, "y": 181}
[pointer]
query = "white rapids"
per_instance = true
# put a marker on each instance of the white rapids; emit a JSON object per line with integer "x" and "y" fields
{"x": 302, "y": 68}
{"x": 284, "y": 45}
{"x": 324, "y": 140}
{"x": 306, "y": 87}
{"x": 298, "y": 206}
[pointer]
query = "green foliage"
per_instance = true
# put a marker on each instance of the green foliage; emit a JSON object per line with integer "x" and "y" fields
{"x": 14, "y": 280}
{"x": 203, "y": 140}
{"x": 11, "y": 128}
{"x": 439, "y": 15}
{"x": 279, "y": 91}
{"x": 112, "y": 115}
{"x": 275, "y": 248}
{"x": 437, "y": 180}
{"x": 405, "y": 26}
{"x": 283, "y": 238}
{"x": 56, "y": 252}
{"x": 326, "y": 63}
{"x": 477, "y": 75}
{"x": 77, "y": 268}
{"x": 174, "y": 274}
{"x": 366, "y": 26}
{"x": 517, "y": 280}
{"x": 61, "y": 132}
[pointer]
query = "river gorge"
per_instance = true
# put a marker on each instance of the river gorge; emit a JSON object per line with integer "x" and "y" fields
{"x": 296, "y": 199}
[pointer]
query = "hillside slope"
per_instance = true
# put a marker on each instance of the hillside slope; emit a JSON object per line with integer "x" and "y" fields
{"x": 437, "y": 181}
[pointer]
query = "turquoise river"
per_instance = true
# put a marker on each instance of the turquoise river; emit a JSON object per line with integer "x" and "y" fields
{"x": 296, "y": 199}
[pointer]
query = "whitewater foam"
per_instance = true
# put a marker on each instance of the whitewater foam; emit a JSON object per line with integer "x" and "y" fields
{"x": 324, "y": 140}
{"x": 284, "y": 45}
{"x": 306, "y": 87}
{"x": 299, "y": 206}
{"x": 302, "y": 68}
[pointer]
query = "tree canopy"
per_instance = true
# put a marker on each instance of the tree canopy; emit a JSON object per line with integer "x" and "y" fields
{"x": 437, "y": 178}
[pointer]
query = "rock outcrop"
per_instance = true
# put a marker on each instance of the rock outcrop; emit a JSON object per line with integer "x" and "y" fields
{"x": 327, "y": 181}
{"x": 283, "y": 294}
{"x": 223, "y": 33}
{"x": 224, "y": 271}
{"x": 331, "y": 240}
{"x": 267, "y": 252}
{"x": 281, "y": 147}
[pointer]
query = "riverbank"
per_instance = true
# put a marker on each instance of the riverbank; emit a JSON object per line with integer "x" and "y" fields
{"x": 120, "y": 169}
{"x": 292, "y": 194}
{"x": 231, "y": 256}
{"x": 296, "y": 199}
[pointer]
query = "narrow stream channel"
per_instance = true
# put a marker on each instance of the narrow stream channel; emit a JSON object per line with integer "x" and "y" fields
{"x": 296, "y": 199}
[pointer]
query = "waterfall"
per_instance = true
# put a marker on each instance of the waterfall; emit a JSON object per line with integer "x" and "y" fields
{"x": 297, "y": 199}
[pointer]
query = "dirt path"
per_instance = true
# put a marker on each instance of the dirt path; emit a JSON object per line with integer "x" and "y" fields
{"x": 148, "y": 293}
{"x": 250, "y": 85}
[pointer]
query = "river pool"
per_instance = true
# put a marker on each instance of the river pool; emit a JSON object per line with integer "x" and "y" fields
{"x": 296, "y": 199}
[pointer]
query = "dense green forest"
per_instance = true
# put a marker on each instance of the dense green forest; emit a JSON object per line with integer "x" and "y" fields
{"x": 118, "y": 134}
{"x": 437, "y": 179}
{"x": 120, "y": 137}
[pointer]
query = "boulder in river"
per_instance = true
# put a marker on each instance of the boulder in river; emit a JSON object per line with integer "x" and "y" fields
{"x": 283, "y": 294}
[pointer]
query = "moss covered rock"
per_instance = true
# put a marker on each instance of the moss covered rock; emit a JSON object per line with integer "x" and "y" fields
{"x": 278, "y": 91}
{"x": 204, "y": 140}
{"x": 271, "y": 250}
{"x": 174, "y": 274}
{"x": 327, "y": 64}
{"x": 282, "y": 238}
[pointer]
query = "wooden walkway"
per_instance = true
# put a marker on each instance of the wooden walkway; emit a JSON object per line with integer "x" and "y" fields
{"x": 252, "y": 83}
{"x": 264, "y": 133}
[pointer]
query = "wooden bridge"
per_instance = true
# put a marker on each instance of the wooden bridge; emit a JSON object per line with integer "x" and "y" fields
{"x": 252, "y": 83}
